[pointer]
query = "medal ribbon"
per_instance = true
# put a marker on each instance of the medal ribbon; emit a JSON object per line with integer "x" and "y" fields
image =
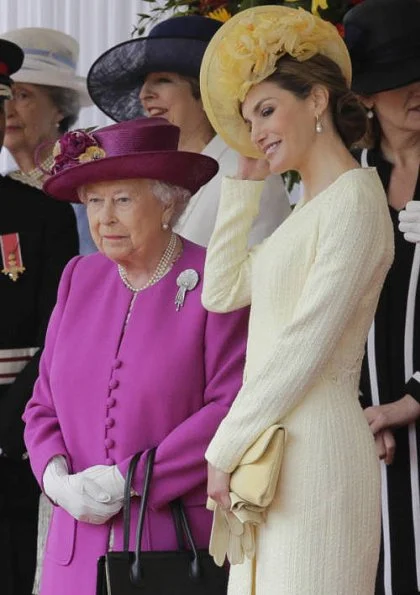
{"x": 11, "y": 255}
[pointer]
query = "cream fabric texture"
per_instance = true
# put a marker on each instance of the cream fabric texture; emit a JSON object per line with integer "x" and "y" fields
{"x": 314, "y": 285}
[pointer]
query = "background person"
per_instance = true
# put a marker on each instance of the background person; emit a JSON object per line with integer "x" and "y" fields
{"x": 143, "y": 371}
{"x": 37, "y": 238}
{"x": 313, "y": 287}
{"x": 158, "y": 76}
{"x": 383, "y": 40}
{"x": 46, "y": 101}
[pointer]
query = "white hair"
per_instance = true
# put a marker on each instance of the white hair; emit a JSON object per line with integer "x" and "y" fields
{"x": 170, "y": 193}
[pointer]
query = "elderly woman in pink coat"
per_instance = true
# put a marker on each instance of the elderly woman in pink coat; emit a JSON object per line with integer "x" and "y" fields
{"x": 132, "y": 360}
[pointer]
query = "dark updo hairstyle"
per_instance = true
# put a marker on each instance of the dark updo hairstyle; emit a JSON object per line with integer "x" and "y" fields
{"x": 348, "y": 113}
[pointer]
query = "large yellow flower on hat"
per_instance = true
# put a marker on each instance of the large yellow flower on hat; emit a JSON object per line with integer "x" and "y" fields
{"x": 245, "y": 52}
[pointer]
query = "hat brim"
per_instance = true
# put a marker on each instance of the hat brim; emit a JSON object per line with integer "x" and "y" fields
{"x": 181, "y": 168}
{"x": 115, "y": 79}
{"x": 65, "y": 81}
{"x": 11, "y": 55}
{"x": 391, "y": 76}
{"x": 222, "y": 109}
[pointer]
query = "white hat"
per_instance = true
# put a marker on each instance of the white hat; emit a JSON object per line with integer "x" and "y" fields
{"x": 50, "y": 59}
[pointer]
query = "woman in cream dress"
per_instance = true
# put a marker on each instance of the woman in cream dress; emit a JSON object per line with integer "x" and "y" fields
{"x": 313, "y": 286}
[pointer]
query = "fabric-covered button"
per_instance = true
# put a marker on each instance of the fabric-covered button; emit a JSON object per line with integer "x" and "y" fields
{"x": 110, "y": 461}
{"x": 117, "y": 364}
{"x": 109, "y": 422}
{"x": 111, "y": 401}
{"x": 114, "y": 384}
{"x": 109, "y": 442}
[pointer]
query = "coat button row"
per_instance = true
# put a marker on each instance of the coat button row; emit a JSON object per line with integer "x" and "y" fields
{"x": 117, "y": 364}
{"x": 109, "y": 443}
{"x": 110, "y": 461}
{"x": 109, "y": 422}
{"x": 111, "y": 402}
{"x": 114, "y": 384}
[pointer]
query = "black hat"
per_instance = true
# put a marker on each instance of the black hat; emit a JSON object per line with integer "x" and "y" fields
{"x": 383, "y": 38}
{"x": 11, "y": 58}
{"x": 175, "y": 45}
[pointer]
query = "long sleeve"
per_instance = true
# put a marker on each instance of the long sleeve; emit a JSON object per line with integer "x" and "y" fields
{"x": 42, "y": 435}
{"x": 179, "y": 467}
{"x": 274, "y": 209}
{"x": 353, "y": 251}
{"x": 228, "y": 270}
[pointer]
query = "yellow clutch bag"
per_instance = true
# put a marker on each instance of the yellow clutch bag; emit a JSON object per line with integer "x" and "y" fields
{"x": 254, "y": 481}
{"x": 252, "y": 487}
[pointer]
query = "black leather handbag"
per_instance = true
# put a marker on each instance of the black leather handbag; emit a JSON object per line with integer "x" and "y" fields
{"x": 186, "y": 571}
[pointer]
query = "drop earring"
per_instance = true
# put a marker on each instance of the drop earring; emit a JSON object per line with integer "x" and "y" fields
{"x": 370, "y": 114}
{"x": 318, "y": 125}
{"x": 165, "y": 226}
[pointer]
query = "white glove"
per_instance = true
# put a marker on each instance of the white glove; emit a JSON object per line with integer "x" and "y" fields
{"x": 81, "y": 497}
{"x": 108, "y": 478}
{"x": 410, "y": 221}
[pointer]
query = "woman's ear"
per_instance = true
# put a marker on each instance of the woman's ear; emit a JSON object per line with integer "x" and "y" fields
{"x": 168, "y": 213}
{"x": 367, "y": 101}
{"x": 320, "y": 98}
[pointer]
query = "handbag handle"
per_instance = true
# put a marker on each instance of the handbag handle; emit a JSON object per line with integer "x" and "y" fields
{"x": 180, "y": 521}
{"x": 127, "y": 500}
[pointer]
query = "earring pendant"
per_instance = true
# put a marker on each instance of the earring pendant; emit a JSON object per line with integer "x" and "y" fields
{"x": 318, "y": 125}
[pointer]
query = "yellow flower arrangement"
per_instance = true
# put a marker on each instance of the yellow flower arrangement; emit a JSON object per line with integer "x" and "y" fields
{"x": 91, "y": 154}
{"x": 322, "y": 4}
{"x": 220, "y": 14}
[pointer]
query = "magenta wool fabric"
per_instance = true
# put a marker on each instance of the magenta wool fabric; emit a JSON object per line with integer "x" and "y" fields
{"x": 101, "y": 397}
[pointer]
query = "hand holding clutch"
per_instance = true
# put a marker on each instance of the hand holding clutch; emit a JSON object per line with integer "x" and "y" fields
{"x": 252, "y": 487}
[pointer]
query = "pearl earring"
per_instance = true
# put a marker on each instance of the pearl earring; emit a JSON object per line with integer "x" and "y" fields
{"x": 318, "y": 125}
{"x": 370, "y": 113}
{"x": 165, "y": 226}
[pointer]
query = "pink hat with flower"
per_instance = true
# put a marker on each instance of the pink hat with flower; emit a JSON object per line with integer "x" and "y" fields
{"x": 143, "y": 148}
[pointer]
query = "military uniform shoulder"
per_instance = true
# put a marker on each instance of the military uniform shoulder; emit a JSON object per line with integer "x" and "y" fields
{"x": 16, "y": 195}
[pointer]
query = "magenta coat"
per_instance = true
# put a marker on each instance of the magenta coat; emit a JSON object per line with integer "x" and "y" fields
{"x": 101, "y": 397}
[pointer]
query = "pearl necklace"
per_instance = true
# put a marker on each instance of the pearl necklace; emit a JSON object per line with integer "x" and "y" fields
{"x": 160, "y": 270}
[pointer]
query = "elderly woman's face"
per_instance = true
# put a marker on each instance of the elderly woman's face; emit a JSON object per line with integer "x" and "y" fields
{"x": 125, "y": 218}
{"x": 399, "y": 108}
{"x": 169, "y": 95}
{"x": 31, "y": 118}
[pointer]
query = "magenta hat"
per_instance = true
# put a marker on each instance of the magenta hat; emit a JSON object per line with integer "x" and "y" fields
{"x": 143, "y": 148}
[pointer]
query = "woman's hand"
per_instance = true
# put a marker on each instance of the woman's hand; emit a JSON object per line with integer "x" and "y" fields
{"x": 252, "y": 169}
{"x": 84, "y": 499}
{"x": 218, "y": 483}
{"x": 385, "y": 446}
{"x": 392, "y": 415}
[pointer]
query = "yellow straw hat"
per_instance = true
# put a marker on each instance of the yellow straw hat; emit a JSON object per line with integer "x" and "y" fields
{"x": 245, "y": 51}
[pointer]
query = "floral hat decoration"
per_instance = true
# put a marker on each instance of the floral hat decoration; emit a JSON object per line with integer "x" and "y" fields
{"x": 245, "y": 52}
{"x": 142, "y": 148}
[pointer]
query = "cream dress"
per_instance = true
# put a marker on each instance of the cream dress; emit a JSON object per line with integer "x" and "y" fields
{"x": 314, "y": 285}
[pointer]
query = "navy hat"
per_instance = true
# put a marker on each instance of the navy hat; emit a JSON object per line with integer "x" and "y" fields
{"x": 383, "y": 39}
{"x": 11, "y": 58}
{"x": 174, "y": 45}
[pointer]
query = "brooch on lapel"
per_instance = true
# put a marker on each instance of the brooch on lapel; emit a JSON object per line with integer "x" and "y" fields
{"x": 186, "y": 281}
{"x": 11, "y": 255}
